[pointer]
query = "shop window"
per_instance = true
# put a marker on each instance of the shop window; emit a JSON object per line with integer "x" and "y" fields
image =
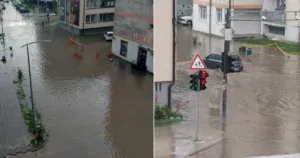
{"x": 124, "y": 47}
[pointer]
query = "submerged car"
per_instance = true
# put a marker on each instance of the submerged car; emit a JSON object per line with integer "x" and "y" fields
{"x": 214, "y": 61}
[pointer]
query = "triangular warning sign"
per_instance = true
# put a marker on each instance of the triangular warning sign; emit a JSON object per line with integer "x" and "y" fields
{"x": 198, "y": 63}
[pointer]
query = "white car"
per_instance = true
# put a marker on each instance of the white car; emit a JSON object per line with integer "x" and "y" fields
{"x": 108, "y": 36}
{"x": 187, "y": 20}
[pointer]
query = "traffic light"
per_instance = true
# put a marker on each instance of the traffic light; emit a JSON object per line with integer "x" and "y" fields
{"x": 194, "y": 82}
{"x": 203, "y": 77}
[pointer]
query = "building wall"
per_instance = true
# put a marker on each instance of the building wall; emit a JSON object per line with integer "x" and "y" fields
{"x": 291, "y": 26}
{"x": 202, "y": 25}
{"x": 132, "y": 52}
{"x": 91, "y": 27}
{"x": 163, "y": 41}
{"x": 133, "y": 23}
{"x": 184, "y": 8}
{"x": 292, "y": 5}
{"x": 236, "y": 4}
{"x": 161, "y": 92}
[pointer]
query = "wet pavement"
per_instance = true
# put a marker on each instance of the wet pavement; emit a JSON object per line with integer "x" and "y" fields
{"x": 262, "y": 108}
{"x": 86, "y": 105}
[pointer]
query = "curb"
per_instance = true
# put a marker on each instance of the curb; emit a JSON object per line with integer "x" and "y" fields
{"x": 206, "y": 147}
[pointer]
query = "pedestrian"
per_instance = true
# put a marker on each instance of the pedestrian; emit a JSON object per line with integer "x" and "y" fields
{"x": 48, "y": 17}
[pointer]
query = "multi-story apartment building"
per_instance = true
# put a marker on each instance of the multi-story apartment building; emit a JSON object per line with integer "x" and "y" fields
{"x": 133, "y": 32}
{"x": 209, "y": 16}
{"x": 84, "y": 17}
{"x": 281, "y": 19}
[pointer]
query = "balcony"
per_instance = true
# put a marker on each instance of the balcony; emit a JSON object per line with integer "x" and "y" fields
{"x": 276, "y": 17}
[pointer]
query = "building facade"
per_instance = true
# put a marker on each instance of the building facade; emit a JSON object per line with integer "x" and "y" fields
{"x": 133, "y": 32}
{"x": 184, "y": 8}
{"x": 281, "y": 20}
{"x": 86, "y": 17}
{"x": 209, "y": 16}
{"x": 163, "y": 37}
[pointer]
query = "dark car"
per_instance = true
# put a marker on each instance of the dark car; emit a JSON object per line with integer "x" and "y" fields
{"x": 214, "y": 61}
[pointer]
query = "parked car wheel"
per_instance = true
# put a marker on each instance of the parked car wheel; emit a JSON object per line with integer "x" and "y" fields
{"x": 190, "y": 22}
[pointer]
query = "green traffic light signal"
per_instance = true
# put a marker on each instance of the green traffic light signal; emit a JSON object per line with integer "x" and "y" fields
{"x": 194, "y": 87}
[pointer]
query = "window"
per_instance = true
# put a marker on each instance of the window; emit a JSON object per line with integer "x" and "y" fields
{"x": 203, "y": 12}
{"x": 90, "y": 18}
{"x": 107, "y": 3}
{"x": 91, "y": 4}
{"x": 124, "y": 46}
{"x": 219, "y": 16}
{"x": 107, "y": 17}
{"x": 277, "y": 30}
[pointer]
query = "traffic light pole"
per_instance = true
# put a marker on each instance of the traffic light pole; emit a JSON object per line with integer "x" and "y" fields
{"x": 198, "y": 107}
{"x": 225, "y": 65}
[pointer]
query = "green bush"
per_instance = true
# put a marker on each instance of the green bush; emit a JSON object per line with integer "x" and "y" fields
{"x": 165, "y": 112}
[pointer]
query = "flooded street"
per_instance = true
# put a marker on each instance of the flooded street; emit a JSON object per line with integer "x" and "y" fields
{"x": 91, "y": 107}
{"x": 262, "y": 108}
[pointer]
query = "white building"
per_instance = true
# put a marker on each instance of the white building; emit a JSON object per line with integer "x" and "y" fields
{"x": 281, "y": 21}
{"x": 203, "y": 23}
{"x": 133, "y": 33}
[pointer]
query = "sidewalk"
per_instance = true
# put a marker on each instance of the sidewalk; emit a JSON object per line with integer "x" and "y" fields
{"x": 178, "y": 140}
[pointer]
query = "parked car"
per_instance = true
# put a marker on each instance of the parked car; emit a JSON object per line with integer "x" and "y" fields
{"x": 186, "y": 20}
{"x": 108, "y": 36}
{"x": 214, "y": 61}
{"x": 6, "y": 1}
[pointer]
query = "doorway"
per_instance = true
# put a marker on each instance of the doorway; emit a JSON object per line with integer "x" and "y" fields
{"x": 141, "y": 59}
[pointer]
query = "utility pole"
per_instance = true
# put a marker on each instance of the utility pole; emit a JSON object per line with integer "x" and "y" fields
{"x": 30, "y": 82}
{"x": 225, "y": 65}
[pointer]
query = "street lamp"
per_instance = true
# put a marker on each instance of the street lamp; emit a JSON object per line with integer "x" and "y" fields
{"x": 31, "y": 92}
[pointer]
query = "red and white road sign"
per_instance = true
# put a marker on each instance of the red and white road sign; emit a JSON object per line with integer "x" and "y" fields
{"x": 198, "y": 63}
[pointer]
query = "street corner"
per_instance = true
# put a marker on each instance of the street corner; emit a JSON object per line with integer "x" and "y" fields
{"x": 180, "y": 141}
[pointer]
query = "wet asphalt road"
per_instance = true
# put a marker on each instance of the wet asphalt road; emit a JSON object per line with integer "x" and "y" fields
{"x": 263, "y": 102}
{"x": 91, "y": 107}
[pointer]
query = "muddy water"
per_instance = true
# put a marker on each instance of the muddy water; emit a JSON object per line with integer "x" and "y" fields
{"x": 262, "y": 108}
{"x": 91, "y": 107}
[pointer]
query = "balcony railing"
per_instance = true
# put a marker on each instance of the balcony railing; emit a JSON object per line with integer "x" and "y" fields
{"x": 276, "y": 17}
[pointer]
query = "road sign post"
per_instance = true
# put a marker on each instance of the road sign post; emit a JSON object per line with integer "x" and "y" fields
{"x": 198, "y": 65}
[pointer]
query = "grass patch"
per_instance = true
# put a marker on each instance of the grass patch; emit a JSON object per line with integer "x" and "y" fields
{"x": 39, "y": 135}
{"x": 291, "y": 48}
{"x": 165, "y": 115}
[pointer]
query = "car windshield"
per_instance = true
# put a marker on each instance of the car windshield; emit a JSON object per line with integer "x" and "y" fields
{"x": 235, "y": 57}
